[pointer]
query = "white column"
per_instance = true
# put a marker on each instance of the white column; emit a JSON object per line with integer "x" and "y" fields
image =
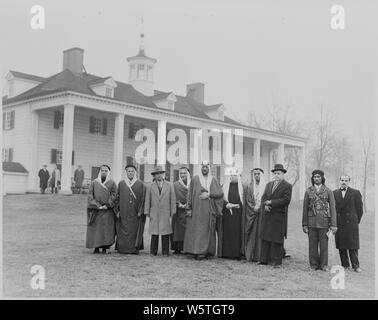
{"x": 162, "y": 143}
{"x": 256, "y": 153}
{"x": 118, "y": 147}
{"x": 33, "y": 180}
{"x": 281, "y": 154}
{"x": 68, "y": 124}
{"x": 302, "y": 173}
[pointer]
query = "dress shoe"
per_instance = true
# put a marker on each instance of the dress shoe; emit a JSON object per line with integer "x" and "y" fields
{"x": 358, "y": 269}
{"x": 314, "y": 268}
{"x": 324, "y": 268}
{"x": 277, "y": 266}
{"x": 201, "y": 257}
{"x": 286, "y": 256}
{"x": 262, "y": 263}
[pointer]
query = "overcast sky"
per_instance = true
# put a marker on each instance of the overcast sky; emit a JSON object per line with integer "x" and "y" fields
{"x": 246, "y": 52}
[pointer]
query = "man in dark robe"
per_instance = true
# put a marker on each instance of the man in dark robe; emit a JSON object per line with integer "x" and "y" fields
{"x": 179, "y": 219}
{"x": 232, "y": 216}
{"x": 44, "y": 176}
{"x": 253, "y": 216}
{"x": 100, "y": 214}
{"x": 349, "y": 210}
{"x": 205, "y": 203}
{"x": 129, "y": 207}
{"x": 79, "y": 178}
{"x": 276, "y": 199}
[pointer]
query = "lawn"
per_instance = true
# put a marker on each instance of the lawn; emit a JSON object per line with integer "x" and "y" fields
{"x": 49, "y": 230}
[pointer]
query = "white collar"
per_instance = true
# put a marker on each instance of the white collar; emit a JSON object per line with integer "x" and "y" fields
{"x": 129, "y": 182}
{"x": 209, "y": 179}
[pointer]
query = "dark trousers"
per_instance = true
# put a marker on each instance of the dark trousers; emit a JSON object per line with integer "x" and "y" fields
{"x": 155, "y": 244}
{"x": 353, "y": 255}
{"x": 271, "y": 252}
{"x": 318, "y": 247}
{"x": 177, "y": 245}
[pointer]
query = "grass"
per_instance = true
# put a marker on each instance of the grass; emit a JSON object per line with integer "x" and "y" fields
{"x": 49, "y": 230}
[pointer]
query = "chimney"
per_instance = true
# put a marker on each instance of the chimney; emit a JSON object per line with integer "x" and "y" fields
{"x": 196, "y": 91}
{"x": 73, "y": 60}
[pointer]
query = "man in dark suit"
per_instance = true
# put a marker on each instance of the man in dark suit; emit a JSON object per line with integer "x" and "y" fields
{"x": 275, "y": 202}
{"x": 349, "y": 211}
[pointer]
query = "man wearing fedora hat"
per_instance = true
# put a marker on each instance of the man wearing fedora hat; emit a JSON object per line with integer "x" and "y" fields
{"x": 160, "y": 206}
{"x": 275, "y": 202}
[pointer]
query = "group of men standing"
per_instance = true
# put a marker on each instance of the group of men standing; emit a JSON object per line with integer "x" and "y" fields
{"x": 53, "y": 181}
{"x": 201, "y": 218}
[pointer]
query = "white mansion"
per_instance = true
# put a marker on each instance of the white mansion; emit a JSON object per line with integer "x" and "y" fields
{"x": 76, "y": 118}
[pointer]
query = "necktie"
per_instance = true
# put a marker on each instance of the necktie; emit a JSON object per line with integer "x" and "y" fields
{"x": 275, "y": 184}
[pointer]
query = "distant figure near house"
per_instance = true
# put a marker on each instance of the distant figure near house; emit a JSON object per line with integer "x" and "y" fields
{"x": 44, "y": 176}
{"x": 55, "y": 180}
{"x": 79, "y": 178}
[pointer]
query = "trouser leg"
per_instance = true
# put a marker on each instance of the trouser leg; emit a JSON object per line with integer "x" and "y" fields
{"x": 165, "y": 244}
{"x": 265, "y": 252}
{"x": 277, "y": 253}
{"x": 353, "y": 254}
{"x": 154, "y": 244}
{"x": 313, "y": 244}
{"x": 344, "y": 258}
{"x": 323, "y": 243}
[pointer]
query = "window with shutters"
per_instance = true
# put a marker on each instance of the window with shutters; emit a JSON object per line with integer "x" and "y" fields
{"x": 171, "y": 105}
{"x": 8, "y": 120}
{"x": 109, "y": 92}
{"x": 129, "y": 160}
{"x": 98, "y": 125}
{"x": 58, "y": 119}
{"x": 57, "y": 156}
{"x": 61, "y": 119}
{"x": 133, "y": 129}
{"x": 7, "y": 154}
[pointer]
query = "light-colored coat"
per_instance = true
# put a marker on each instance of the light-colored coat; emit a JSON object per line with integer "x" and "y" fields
{"x": 160, "y": 208}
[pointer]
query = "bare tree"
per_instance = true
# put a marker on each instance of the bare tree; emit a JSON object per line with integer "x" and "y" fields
{"x": 280, "y": 119}
{"x": 366, "y": 139}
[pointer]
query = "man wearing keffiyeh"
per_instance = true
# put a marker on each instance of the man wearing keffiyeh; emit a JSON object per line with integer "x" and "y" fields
{"x": 179, "y": 219}
{"x": 130, "y": 206}
{"x": 100, "y": 214}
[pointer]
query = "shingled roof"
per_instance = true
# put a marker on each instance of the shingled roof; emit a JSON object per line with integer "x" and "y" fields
{"x": 27, "y": 76}
{"x": 69, "y": 81}
{"x": 14, "y": 167}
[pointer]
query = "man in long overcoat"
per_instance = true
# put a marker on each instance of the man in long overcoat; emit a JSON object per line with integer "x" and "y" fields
{"x": 160, "y": 206}
{"x": 275, "y": 202}
{"x": 349, "y": 210}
